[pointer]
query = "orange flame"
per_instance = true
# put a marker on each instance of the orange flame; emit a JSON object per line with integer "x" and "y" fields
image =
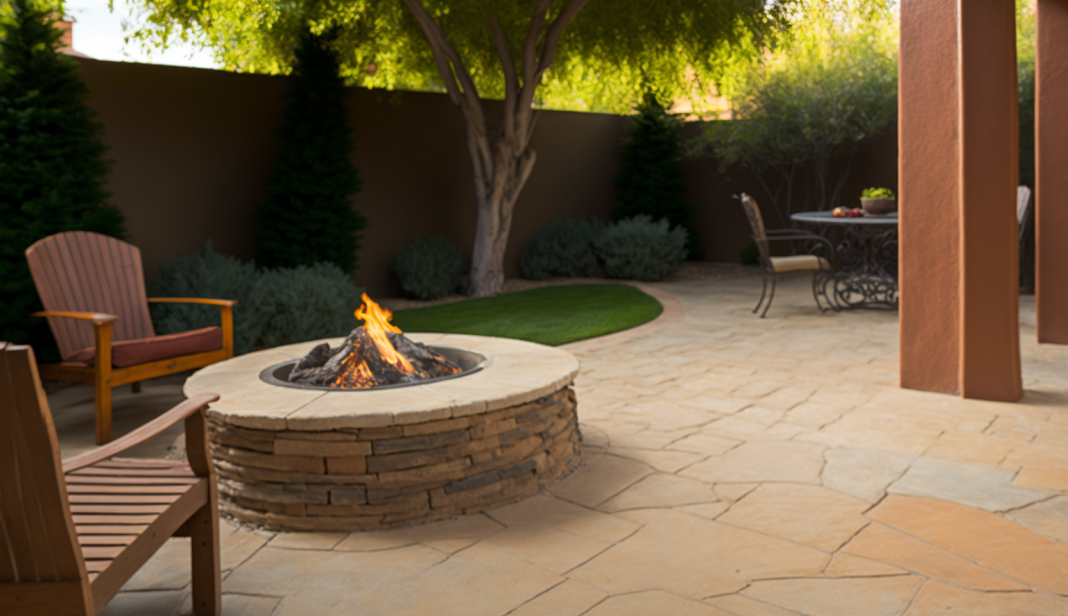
{"x": 376, "y": 322}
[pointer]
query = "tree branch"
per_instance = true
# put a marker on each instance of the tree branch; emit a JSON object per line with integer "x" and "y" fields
{"x": 548, "y": 48}
{"x": 510, "y": 79}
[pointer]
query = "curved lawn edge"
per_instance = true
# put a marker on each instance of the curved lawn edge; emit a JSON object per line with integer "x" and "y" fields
{"x": 672, "y": 313}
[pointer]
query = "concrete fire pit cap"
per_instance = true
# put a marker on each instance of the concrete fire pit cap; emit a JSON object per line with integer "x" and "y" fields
{"x": 516, "y": 372}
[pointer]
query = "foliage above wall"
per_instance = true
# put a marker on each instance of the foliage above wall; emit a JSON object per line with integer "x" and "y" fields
{"x": 52, "y": 167}
{"x": 811, "y": 103}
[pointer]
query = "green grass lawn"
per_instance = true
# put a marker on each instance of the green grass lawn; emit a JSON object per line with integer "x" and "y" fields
{"x": 549, "y": 315}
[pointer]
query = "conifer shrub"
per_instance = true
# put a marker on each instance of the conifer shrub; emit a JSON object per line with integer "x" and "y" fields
{"x": 429, "y": 268}
{"x": 308, "y": 216}
{"x": 52, "y": 166}
{"x": 563, "y": 248}
{"x": 640, "y": 249}
{"x": 652, "y": 180}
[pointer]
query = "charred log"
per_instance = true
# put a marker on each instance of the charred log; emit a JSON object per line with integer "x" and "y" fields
{"x": 359, "y": 363}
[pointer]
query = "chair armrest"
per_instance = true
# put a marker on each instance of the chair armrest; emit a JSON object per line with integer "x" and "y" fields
{"x": 807, "y": 236}
{"x": 98, "y": 318}
{"x": 153, "y": 428}
{"x": 193, "y": 300}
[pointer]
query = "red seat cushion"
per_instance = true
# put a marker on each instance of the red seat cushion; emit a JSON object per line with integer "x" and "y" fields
{"x": 143, "y": 350}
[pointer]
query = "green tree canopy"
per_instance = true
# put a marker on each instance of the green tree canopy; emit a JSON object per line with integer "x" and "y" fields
{"x": 611, "y": 53}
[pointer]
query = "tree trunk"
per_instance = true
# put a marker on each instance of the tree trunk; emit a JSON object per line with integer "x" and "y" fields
{"x": 502, "y": 163}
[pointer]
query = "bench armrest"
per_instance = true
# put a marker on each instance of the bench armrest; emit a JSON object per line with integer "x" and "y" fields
{"x": 190, "y": 409}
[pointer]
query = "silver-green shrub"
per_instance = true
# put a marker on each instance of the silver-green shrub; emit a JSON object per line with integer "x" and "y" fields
{"x": 307, "y": 302}
{"x": 640, "y": 249}
{"x": 563, "y": 248}
{"x": 208, "y": 274}
{"x": 431, "y": 267}
{"x": 274, "y": 307}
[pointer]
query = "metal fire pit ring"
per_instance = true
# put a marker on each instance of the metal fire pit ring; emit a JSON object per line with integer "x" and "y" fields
{"x": 469, "y": 362}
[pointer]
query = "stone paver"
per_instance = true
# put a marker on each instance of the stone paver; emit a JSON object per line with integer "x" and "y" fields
{"x": 733, "y": 465}
{"x": 967, "y": 483}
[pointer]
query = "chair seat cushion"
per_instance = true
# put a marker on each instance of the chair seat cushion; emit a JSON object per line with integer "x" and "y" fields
{"x": 798, "y": 263}
{"x": 143, "y": 350}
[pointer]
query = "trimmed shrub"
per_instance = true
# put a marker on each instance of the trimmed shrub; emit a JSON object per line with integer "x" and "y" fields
{"x": 640, "y": 249}
{"x": 274, "y": 307}
{"x": 208, "y": 274}
{"x": 430, "y": 268}
{"x": 52, "y": 165}
{"x": 563, "y": 248}
{"x": 303, "y": 303}
{"x": 750, "y": 254}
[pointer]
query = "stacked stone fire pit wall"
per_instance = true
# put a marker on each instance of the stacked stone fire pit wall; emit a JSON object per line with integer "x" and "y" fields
{"x": 376, "y": 459}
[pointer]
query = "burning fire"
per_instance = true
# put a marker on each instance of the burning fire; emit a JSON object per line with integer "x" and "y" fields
{"x": 373, "y": 353}
{"x": 376, "y": 320}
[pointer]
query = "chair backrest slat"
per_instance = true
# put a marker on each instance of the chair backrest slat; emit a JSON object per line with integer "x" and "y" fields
{"x": 90, "y": 272}
{"x": 38, "y": 542}
{"x": 756, "y": 224}
{"x": 1024, "y": 208}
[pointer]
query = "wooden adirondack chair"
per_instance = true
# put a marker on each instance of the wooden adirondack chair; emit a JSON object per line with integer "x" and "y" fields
{"x": 72, "y": 533}
{"x": 93, "y": 290}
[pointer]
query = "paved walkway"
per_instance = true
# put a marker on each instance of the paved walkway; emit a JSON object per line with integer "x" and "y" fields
{"x": 733, "y": 465}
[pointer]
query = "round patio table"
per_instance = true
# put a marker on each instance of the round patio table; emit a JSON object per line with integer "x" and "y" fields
{"x": 867, "y": 258}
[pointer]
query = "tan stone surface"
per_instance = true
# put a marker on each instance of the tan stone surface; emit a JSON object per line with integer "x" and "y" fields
{"x": 556, "y": 550}
{"x": 811, "y": 515}
{"x": 661, "y": 490}
{"x": 848, "y": 565}
{"x": 695, "y": 558}
{"x": 885, "y": 596}
{"x": 555, "y": 513}
{"x": 373, "y": 540}
{"x": 744, "y": 606}
{"x": 653, "y": 602}
{"x": 1049, "y": 518}
{"x": 599, "y": 478}
{"x": 863, "y": 473}
{"x": 937, "y": 599}
{"x": 762, "y": 461}
{"x": 454, "y": 534}
{"x": 980, "y": 448}
{"x": 985, "y": 538}
{"x": 569, "y": 598}
{"x": 307, "y": 541}
{"x": 884, "y": 544}
{"x": 662, "y": 460}
{"x": 705, "y": 444}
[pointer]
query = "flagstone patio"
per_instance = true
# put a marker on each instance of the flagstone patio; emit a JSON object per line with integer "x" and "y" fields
{"x": 733, "y": 465}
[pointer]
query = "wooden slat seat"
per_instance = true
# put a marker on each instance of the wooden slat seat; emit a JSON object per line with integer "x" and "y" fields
{"x": 93, "y": 290}
{"x": 72, "y": 533}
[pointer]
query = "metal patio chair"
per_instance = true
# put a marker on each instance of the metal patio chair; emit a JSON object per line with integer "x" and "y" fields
{"x": 774, "y": 266}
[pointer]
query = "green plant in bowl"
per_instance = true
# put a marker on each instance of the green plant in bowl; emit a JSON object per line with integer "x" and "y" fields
{"x": 877, "y": 193}
{"x": 878, "y": 201}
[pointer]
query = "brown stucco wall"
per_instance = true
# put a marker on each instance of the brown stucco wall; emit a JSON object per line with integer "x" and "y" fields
{"x": 193, "y": 148}
{"x": 1051, "y": 179}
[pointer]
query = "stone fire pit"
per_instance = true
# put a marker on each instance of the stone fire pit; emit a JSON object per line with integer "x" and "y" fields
{"x": 298, "y": 459}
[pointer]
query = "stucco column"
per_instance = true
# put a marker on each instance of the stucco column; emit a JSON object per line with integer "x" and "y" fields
{"x": 989, "y": 146}
{"x": 928, "y": 196}
{"x": 1051, "y": 172}
{"x": 958, "y": 146}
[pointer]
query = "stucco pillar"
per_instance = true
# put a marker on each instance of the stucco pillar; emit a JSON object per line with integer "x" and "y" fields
{"x": 958, "y": 173}
{"x": 990, "y": 288}
{"x": 928, "y": 196}
{"x": 1051, "y": 172}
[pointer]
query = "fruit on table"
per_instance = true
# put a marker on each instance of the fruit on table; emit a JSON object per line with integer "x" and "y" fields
{"x": 845, "y": 212}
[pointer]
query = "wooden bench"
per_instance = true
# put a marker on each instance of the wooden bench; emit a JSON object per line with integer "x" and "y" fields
{"x": 72, "y": 533}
